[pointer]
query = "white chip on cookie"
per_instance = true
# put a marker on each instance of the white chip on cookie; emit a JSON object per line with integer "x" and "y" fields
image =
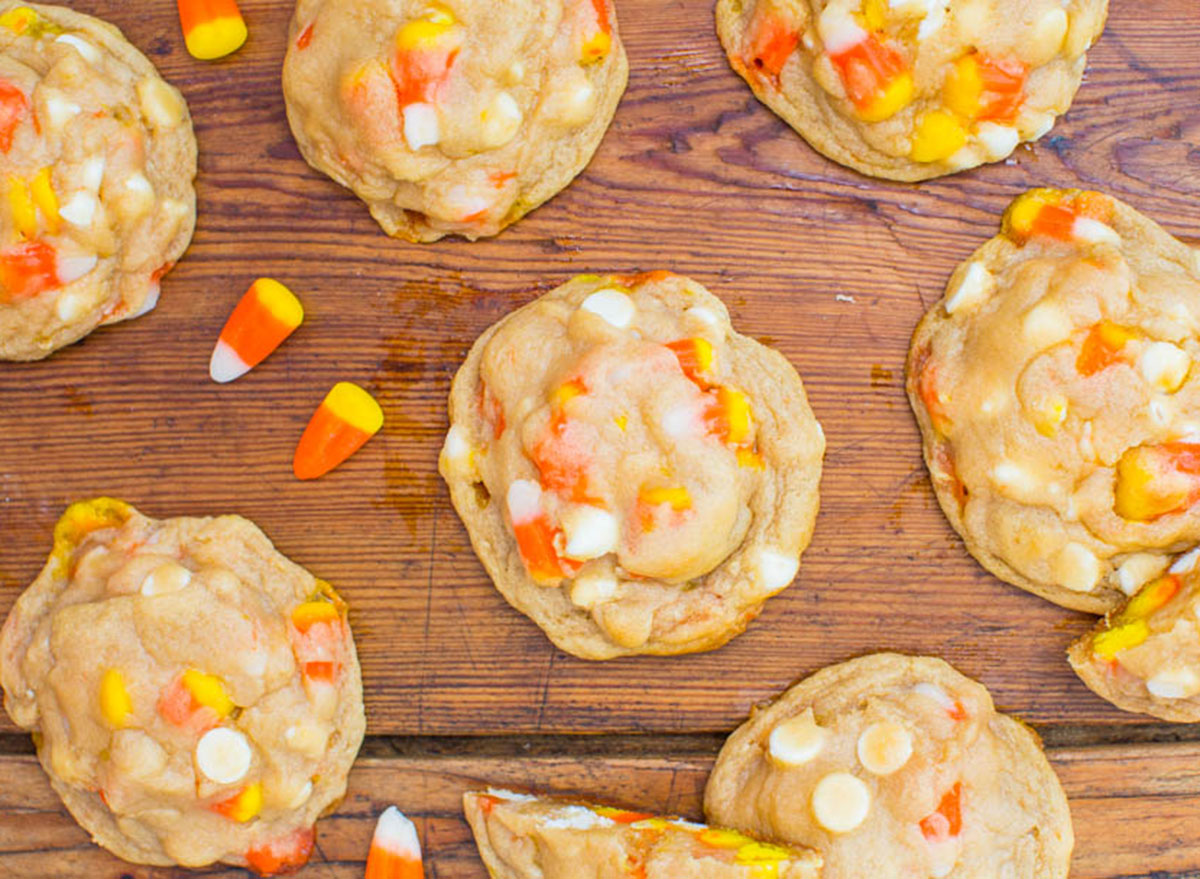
{"x": 797, "y": 741}
{"x": 224, "y": 755}
{"x": 841, "y": 802}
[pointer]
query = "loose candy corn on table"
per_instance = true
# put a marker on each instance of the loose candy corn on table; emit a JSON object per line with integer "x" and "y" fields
{"x": 831, "y": 268}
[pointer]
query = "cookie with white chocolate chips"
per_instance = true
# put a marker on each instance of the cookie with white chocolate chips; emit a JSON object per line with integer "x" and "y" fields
{"x": 1055, "y": 390}
{"x": 452, "y": 116}
{"x": 97, "y": 160}
{"x": 893, "y": 767}
{"x": 635, "y": 476}
{"x": 913, "y": 89}
{"x": 1145, "y": 657}
{"x": 525, "y": 837}
{"x": 194, "y": 696}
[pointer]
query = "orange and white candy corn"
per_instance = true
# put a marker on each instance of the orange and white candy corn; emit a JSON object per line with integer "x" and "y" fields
{"x": 212, "y": 28}
{"x": 347, "y": 418}
{"x": 395, "y": 849}
{"x": 266, "y": 315}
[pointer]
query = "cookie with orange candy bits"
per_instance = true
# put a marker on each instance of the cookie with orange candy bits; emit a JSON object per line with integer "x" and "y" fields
{"x": 1145, "y": 657}
{"x": 893, "y": 767}
{"x": 635, "y": 476}
{"x": 194, "y": 696}
{"x": 525, "y": 837}
{"x": 452, "y": 117}
{"x": 913, "y": 89}
{"x": 97, "y": 159}
{"x": 1055, "y": 389}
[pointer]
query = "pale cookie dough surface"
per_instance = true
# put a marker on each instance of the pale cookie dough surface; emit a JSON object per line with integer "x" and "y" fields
{"x": 913, "y": 89}
{"x": 1146, "y": 656}
{"x": 525, "y": 837}
{"x": 635, "y": 475}
{"x": 194, "y": 696}
{"x": 895, "y": 767}
{"x": 97, "y": 160}
{"x": 1055, "y": 389}
{"x": 452, "y": 116}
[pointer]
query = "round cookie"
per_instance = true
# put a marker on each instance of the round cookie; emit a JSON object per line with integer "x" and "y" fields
{"x": 913, "y": 89}
{"x": 194, "y": 696}
{"x": 635, "y": 476}
{"x": 1060, "y": 410}
{"x": 97, "y": 160}
{"x": 1146, "y": 656}
{"x": 895, "y": 766}
{"x": 452, "y": 116}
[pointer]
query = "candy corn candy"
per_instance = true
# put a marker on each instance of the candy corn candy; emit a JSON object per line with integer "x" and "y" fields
{"x": 347, "y": 418}
{"x": 284, "y": 855}
{"x": 243, "y": 806}
{"x": 115, "y": 703}
{"x": 211, "y": 28}
{"x": 395, "y": 850}
{"x": 266, "y": 315}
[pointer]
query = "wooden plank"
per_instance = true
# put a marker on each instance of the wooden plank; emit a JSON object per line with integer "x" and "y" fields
{"x": 696, "y": 176}
{"x": 1136, "y": 811}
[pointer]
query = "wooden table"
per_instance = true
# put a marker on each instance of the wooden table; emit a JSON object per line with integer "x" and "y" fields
{"x": 695, "y": 176}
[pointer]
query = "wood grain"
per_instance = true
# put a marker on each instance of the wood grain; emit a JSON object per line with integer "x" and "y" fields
{"x": 1134, "y": 810}
{"x": 830, "y": 267}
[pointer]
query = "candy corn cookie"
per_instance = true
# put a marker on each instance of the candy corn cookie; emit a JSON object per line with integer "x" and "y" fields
{"x": 452, "y": 116}
{"x": 194, "y": 696}
{"x": 1055, "y": 389}
{"x": 525, "y": 837}
{"x": 895, "y": 767}
{"x": 1145, "y": 657}
{"x": 97, "y": 160}
{"x": 913, "y": 89}
{"x": 636, "y": 476}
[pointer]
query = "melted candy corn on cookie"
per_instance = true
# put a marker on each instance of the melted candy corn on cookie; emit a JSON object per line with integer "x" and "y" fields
{"x": 452, "y": 116}
{"x": 194, "y": 696}
{"x": 1145, "y": 657}
{"x": 1055, "y": 389}
{"x": 635, "y": 476}
{"x": 525, "y": 837}
{"x": 913, "y": 89}
{"x": 97, "y": 160}
{"x": 895, "y": 767}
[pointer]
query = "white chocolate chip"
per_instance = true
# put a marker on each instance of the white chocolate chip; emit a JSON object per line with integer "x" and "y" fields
{"x": 702, "y": 314}
{"x": 1138, "y": 570}
{"x": 89, "y": 52}
{"x": 323, "y": 696}
{"x": 223, "y": 755}
{"x": 91, "y": 174}
{"x": 590, "y": 532}
{"x": 524, "y": 501}
{"x": 938, "y": 695}
{"x": 682, "y": 420}
{"x": 1163, "y": 365}
{"x": 613, "y": 305}
{"x": 838, "y": 29}
{"x": 501, "y": 121}
{"x": 797, "y": 740}
{"x": 308, "y": 739}
{"x": 977, "y": 284}
{"x": 573, "y": 101}
{"x": 1179, "y": 682}
{"x": 934, "y": 19}
{"x": 1076, "y": 568}
{"x": 70, "y": 306}
{"x": 515, "y": 73}
{"x": 466, "y": 200}
{"x": 589, "y": 590}
{"x": 80, "y": 210}
{"x": 884, "y": 748}
{"x": 1045, "y": 39}
{"x": 997, "y": 141}
{"x": 72, "y": 268}
{"x": 1162, "y": 411}
{"x": 840, "y": 802}
{"x": 1014, "y": 478}
{"x": 421, "y": 128}
{"x": 1035, "y": 125}
{"x": 162, "y": 106}
{"x": 60, "y": 111}
{"x": 1092, "y": 231}
{"x": 1047, "y": 324}
{"x": 776, "y": 569}
{"x": 165, "y": 579}
{"x": 1186, "y": 563}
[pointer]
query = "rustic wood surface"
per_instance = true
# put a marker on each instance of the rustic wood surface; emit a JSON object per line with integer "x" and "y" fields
{"x": 830, "y": 267}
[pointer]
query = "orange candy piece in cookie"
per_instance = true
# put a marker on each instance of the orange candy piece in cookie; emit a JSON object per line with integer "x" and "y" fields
{"x": 426, "y": 49}
{"x": 243, "y": 806}
{"x": 986, "y": 89}
{"x": 1053, "y": 213}
{"x": 284, "y": 855}
{"x": 28, "y": 270}
{"x": 771, "y": 39}
{"x": 595, "y": 32}
{"x": 1154, "y": 481}
{"x": 946, "y": 821}
{"x": 538, "y": 540}
{"x": 1102, "y": 347}
{"x": 876, "y": 77}
{"x": 696, "y": 357}
{"x": 263, "y": 318}
{"x": 728, "y": 417}
{"x": 14, "y": 107}
{"x": 395, "y": 848}
{"x": 342, "y": 424}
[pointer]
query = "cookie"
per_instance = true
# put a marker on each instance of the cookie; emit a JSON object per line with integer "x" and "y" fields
{"x": 635, "y": 476}
{"x": 1145, "y": 657}
{"x": 97, "y": 160}
{"x": 194, "y": 696}
{"x": 452, "y": 116}
{"x": 913, "y": 89}
{"x": 1060, "y": 410}
{"x": 895, "y": 766}
{"x": 525, "y": 837}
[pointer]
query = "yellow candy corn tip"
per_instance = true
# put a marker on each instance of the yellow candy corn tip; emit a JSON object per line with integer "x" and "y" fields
{"x": 18, "y": 20}
{"x": 42, "y": 188}
{"x": 355, "y": 406}
{"x": 280, "y": 301}
{"x": 248, "y": 804}
{"x": 115, "y": 703}
{"x": 217, "y": 38}
{"x": 208, "y": 691}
